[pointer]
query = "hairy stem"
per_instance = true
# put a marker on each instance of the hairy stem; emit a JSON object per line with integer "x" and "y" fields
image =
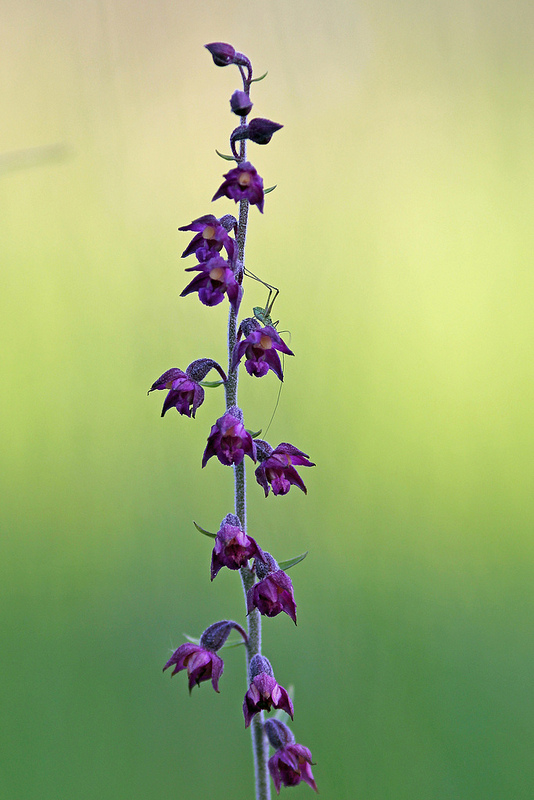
{"x": 260, "y": 746}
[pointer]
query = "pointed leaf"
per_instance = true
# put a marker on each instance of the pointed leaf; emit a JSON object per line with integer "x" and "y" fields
{"x": 254, "y": 434}
{"x": 205, "y": 532}
{"x": 233, "y": 643}
{"x": 270, "y": 189}
{"x": 292, "y": 561}
{"x": 226, "y": 158}
{"x": 192, "y": 639}
{"x": 255, "y": 80}
{"x": 211, "y": 384}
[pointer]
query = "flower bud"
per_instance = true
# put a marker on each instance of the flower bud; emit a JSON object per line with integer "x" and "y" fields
{"x": 223, "y": 54}
{"x": 259, "y": 664}
{"x": 216, "y": 635}
{"x": 279, "y": 735}
{"x": 266, "y": 566}
{"x": 261, "y": 130}
{"x": 240, "y": 103}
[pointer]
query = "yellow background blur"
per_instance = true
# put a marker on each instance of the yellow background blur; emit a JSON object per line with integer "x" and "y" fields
{"x": 401, "y": 237}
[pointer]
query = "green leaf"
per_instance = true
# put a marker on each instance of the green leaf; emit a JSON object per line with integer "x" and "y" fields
{"x": 205, "y": 532}
{"x": 254, "y": 434}
{"x": 270, "y": 189}
{"x": 292, "y": 561}
{"x": 255, "y": 80}
{"x": 211, "y": 384}
{"x": 226, "y": 158}
{"x": 233, "y": 643}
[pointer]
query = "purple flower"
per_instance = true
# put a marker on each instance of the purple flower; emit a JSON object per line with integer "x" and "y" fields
{"x": 291, "y": 762}
{"x": 215, "y": 280}
{"x": 228, "y": 439}
{"x": 242, "y": 183}
{"x": 273, "y": 593}
{"x": 200, "y": 660}
{"x": 290, "y": 765}
{"x": 260, "y": 346}
{"x": 233, "y": 547}
{"x": 276, "y": 467}
{"x": 201, "y": 664}
{"x": 212, "y": 236}
{"x": 264, "y": 692}
{"x": 185, "y": 392}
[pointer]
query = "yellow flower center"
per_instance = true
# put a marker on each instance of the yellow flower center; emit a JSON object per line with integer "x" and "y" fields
{"x": 244, "y": 179}
{"x": 266, "y": 342}
{"x": 208, "y": 232}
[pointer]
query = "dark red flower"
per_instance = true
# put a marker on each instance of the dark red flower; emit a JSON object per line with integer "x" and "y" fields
{"x": 242, "y": 183}
{"x": 215, "y": 280}
{"x": 264, "y": 692}
{"x": 212, "y": 236}
{"x": 228, "y": 439}
{"x": 260, "y": 347}
{"x": 201, "y": 664}
{"x": 276, "y": 468}
{"x": 185, "y": 392}
{"x": 233, "y": 547}
{"x": 291, "y": 762}
{"x": 200, "y": 660}
{"x": 273, "y": 593}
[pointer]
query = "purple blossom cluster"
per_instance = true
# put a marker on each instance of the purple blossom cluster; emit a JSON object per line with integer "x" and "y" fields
{"x": 218, "y": 246}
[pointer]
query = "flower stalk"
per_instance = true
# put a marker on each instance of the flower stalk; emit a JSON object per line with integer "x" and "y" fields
{"x": 268, "y": 590}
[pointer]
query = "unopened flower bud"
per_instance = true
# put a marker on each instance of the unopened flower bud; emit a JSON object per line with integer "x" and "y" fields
{"x": 265, "y": 566}
{"x": 261, "y": 130}
{"x": 223, "y": 54}
{"x": 259, "y": 664}
{"x": 240, "y": 103}
{"x": 279, "y": 735}
{"x": 216, "y": 635}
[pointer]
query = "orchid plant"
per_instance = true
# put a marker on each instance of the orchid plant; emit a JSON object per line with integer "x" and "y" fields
{"x": 218, "y": 245}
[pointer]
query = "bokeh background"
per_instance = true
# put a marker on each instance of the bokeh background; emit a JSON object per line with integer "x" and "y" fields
{"x": 401, "y": 236}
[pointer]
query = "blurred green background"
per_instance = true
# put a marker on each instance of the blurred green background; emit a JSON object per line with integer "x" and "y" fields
{"x": 401, "y": 237}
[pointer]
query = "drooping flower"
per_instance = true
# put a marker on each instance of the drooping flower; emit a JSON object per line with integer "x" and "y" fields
{"x": 276, "y": 468}
{"x": 200, "y": 660}
{"x": 273, "y": 593}
{"x": 185, "y": 392}
{"x": 229, "y": 440}
{"x": 212, "y": 236}
{"x": 291, "y": 762}
{"x": 260, "y": 347}
{"x": 264, "y": 692}
{"x": 233, "y": 547}
{"x": 242, "y": 183}
{"x": 201, "y": 664}
{"x": 215, "y": 280}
